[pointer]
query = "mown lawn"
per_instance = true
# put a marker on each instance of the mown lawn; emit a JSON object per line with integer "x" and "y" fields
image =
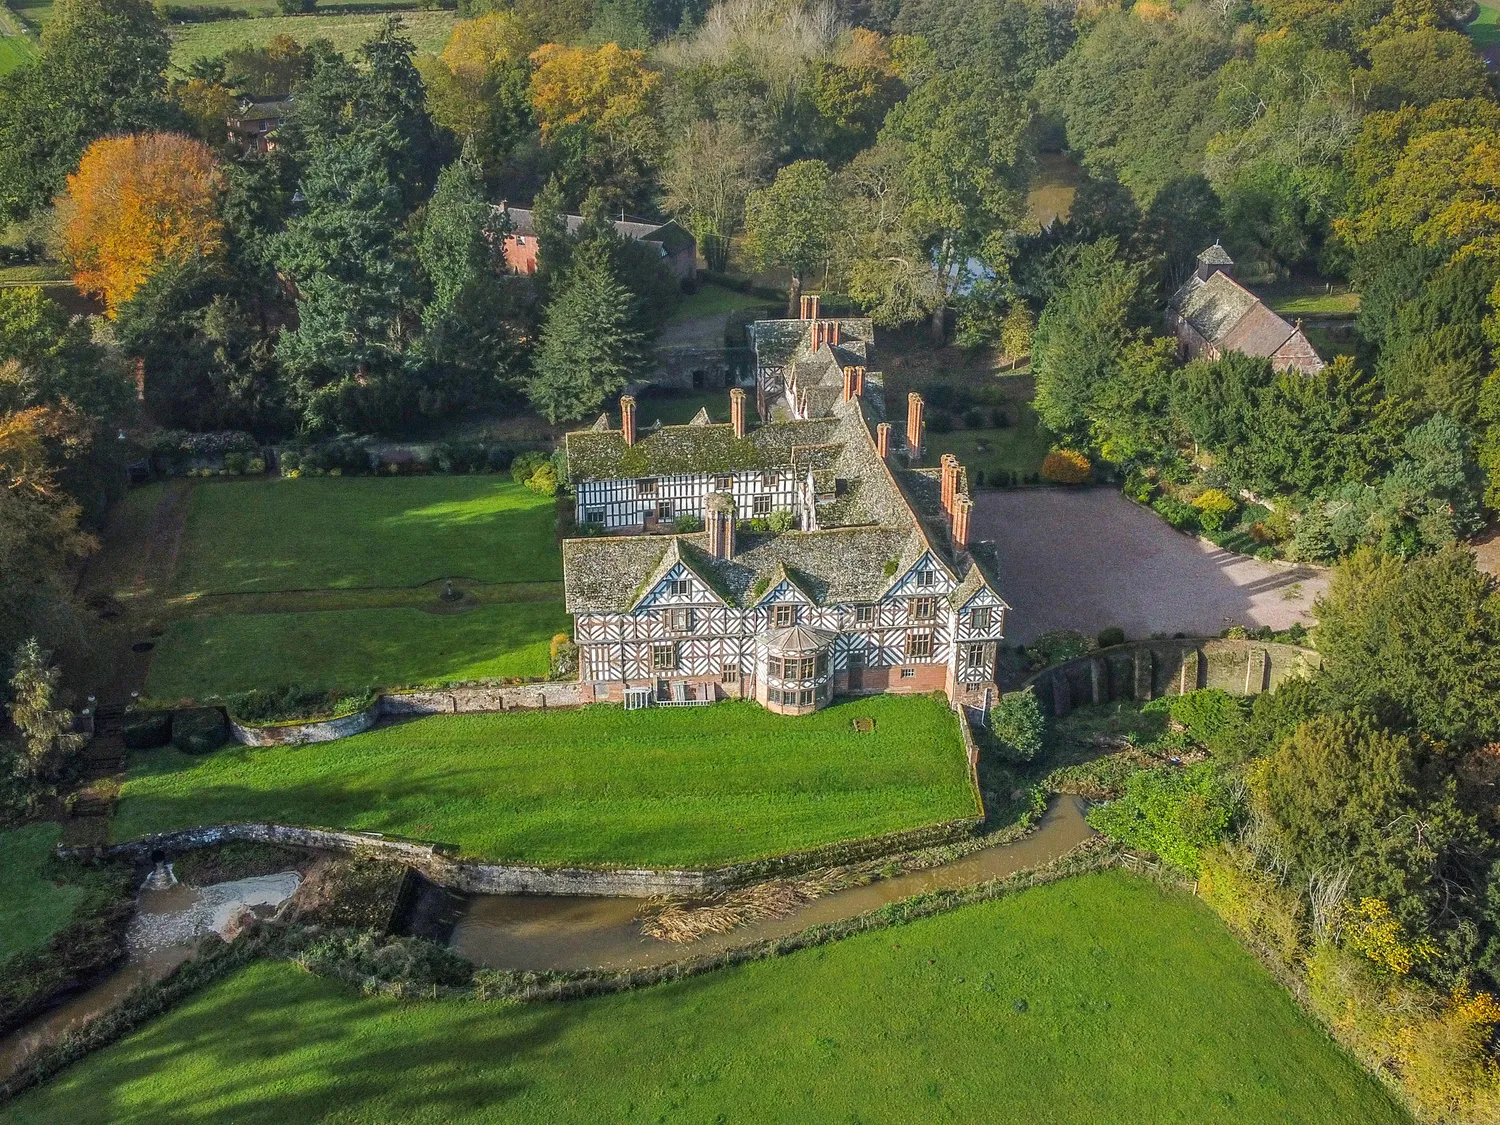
{"x": 322, "y": 532}
{"x": 997, "y": 453}
{"x": 1099, "y": 1000}
{"x": 15, "y": 50}
{"x": 660, "y": 787}
{"x": 34, "y": 908}
{"x": 711, "y": 300}
{"x": 353, "y": 648}
{"x": 1484, "y": 29}
{"x": 429, "y": 31}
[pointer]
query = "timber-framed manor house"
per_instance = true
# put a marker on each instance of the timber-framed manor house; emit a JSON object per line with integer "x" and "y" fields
{"x": 829, "y": 561}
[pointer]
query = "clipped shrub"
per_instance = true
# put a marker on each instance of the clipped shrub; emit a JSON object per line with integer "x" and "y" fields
{"x": 1180, "y": 514}
{"x": 146, "y": 730}
{"x": 974, "y": 419}
{"x": 563, "y": 654}
{"x": 460, "y": 457}
{"x": 1057, "y": 647}
{"x": 1017, "y": 721}
{"x": 291, "y": 461}
{"x": 525, "y": 464}
{"x": 1214, "y": 509}
{"x": 1110, "y": 637}
{"x": 544, "y": 480}
{"x": 999, "y": 418}
{"x": 940, "y": 422}
{"x": 199, "y": 730}
{"x": 255, "y": 466}
{"x": 237, "y": 463}
{"x": 1066, "y": 466}
{"x": 686, "y": 525}
{"x": 336, "y": 458}
{"x": 498, "y": 459}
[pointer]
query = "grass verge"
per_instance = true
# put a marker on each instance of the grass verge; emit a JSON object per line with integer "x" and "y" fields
{"x": 352, "y": 648}
{"x": 1099, "y": 999}
{"x": 661, "y": 787}
{"x": 342, "y": 532}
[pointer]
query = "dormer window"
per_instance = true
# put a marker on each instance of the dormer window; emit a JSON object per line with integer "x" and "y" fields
{"x": 723, "y": 483}
{"x": 768, "y": 480}
{"x": 982, "y": 619}
{"x": 927, "y": 577}
{"x": 784, "y": 616}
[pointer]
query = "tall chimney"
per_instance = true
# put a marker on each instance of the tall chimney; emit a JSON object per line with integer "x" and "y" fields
{"x": 627, "y": 418}
{"x": 833, "y": 333}
{"x": 719, "y": 512}
{"x": 802, "y": 308}
{"x": 737, "y": 411}
{"x": 950, "y": 481}
{"x": 813, "y": 302}
{"x": 883, "y": 440}
{"x": 961, "y": 508}
{"x": 848, "y": 383}
{"x": 913, "y": 427}
{"x": 859, "y": 381}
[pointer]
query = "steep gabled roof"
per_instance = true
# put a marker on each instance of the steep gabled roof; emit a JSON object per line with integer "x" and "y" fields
{"x": 1230, "y": 317}
{"x": 694, "y": 448}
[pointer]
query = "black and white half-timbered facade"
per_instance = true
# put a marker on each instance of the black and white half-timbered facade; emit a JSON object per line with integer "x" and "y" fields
{"x": 875, "y": 586}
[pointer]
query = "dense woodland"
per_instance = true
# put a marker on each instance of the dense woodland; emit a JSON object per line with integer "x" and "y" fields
{"x": 879, "y": 152}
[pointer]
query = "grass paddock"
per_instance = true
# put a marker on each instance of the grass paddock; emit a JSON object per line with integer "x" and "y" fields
{"x": 1098, "y": 1000}
{"x": 35, "y": 908}
{"x": 428, "y": 31}
{"x": 660, "y": 787}
{"x": 353, "y": 648}
{"x": 341, "y": 532}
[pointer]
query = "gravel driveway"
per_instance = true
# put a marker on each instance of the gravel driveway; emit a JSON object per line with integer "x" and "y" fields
{"x": 1089, "y": 559}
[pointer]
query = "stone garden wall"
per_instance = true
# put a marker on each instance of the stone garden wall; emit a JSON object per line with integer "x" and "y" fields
{"x": 435, "y": 861}
{"x": 300, "y": 734}
{"x": 1145, "y": 670}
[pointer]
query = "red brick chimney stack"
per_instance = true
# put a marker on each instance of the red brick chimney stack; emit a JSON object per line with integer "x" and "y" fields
{"x": 833, "y": 333}
{"x": 813, "y": 303}
{"x": 950, "y": 481}
{"x": 719, "y": 508}
{"x": 913, "y": 427}
{"x": 848, "y": 383}
{"x": 627, "y": 418}
{"x": 737, "y": 411}
{"x": 883, "y": 440}
{"x": 817, "y": 335}
{"x": 961, "y": 508}
{"x": 859, "y": 381}
{"x": 802, "y": 308}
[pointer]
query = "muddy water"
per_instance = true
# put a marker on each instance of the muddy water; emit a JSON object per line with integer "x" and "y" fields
{"x": 537, "y": 932}
{"x": 167, "y": 926}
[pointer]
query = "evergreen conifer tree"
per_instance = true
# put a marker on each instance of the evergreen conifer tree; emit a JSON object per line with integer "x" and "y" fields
{"x": 590, "y": 346}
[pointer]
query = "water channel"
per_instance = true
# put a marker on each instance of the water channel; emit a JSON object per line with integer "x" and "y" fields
{"x": 540, "y": 932}
{"x": 518, "y": 932}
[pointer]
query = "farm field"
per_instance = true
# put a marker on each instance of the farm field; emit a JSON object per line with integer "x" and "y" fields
{"x": 658, "y": 787}
{"x": 398, "y": 646}
{"x": 35, "y": 907}
{"x": 342, "y": 532}
{"x": 429, "y": 31}
{"x": 1101, "y": 999}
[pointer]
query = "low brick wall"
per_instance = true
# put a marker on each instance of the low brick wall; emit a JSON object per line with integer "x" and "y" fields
{"x": 300, "y": 734}
{"x": 1145, "y": 670}
{"x": 436, "y": 863}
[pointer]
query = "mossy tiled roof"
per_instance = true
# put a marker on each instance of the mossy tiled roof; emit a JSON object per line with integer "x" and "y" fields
{"x": 700, "y": 448}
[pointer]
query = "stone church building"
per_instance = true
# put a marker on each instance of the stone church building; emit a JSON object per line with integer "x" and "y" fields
{"x": 1212, "y": 314}
{"x": 830, "y": 562}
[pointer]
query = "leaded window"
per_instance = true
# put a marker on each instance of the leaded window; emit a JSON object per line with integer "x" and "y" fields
{"x": 919, "y": 646}
{"x": 663, "y": 657}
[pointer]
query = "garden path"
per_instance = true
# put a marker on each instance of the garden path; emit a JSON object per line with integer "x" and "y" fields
{"x": 1089, "y": 559}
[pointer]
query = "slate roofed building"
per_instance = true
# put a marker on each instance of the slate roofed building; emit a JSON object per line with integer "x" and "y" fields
{"x": 253, "y": 124}
{"x": 677, "y": 247}
{"x": 827, "y": 564}
{"x": 1212, "y": 314}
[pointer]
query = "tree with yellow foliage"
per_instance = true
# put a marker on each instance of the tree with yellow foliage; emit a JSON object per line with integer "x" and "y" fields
{"x": 478, "y": 88}
{"x": 597, "y": 112}
{"x": 138, "y": 203}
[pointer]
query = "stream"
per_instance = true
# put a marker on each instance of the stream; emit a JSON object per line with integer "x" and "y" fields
{"x": 540, "y": 932}
{"x": 168, "y": 924}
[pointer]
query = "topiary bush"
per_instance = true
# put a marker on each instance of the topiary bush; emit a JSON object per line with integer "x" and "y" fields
{"x": 1066, "y": 466}
{"x": 199, "y": 730}
{"x": 1110, "y": 637}
{"x": 525, "y": 464}
{"x": 544, "y": 480}
{"x": 146, "y": 730}
{"x": 1017, "y": 721}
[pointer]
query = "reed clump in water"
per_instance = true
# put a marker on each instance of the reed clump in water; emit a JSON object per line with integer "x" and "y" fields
{"x": 676, "y": 920}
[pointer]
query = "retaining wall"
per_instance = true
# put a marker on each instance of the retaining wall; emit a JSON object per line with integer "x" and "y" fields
{"x": 435, "y": 860}
{"x": 300, "y": 734}
{"x": 1143, "y": 670}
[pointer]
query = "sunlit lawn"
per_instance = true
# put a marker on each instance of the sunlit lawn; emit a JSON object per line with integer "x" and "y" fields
{"x": 34, "y": 908}
{"x": 1311, "y": 298}
{"x": 662, "y": 787}
{"x": 320, "y": 532}
{"x": 1485, "y": 29}
{"x": 347, "y": 31}
{"x": 1018, "y": 448}
{"x": 354, "y": 648}
{"x": 15, "y": 50}
{"x": 1096, "y": 1001}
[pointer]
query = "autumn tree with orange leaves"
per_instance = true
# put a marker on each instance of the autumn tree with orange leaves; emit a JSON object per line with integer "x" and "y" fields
{"x": 136, "y": 204}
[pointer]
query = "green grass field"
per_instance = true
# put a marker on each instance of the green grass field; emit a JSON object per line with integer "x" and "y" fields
{"x": 678, "y": 409}
{"x": 15, "y": 50}
{"x": 1095, "y": 1001}
{"x": 1018, "y": 448}
{"x": 1311, "y": 298}
{"x": 710, "y": 300}
{"x": 1485, "y": 28}
{"x": 342, "y": 532}
{"x": 662, "y": 787}
{"x": 355, "y": 648}
{"x": 429, "y": 31}
{"x": 35, "y": 907}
